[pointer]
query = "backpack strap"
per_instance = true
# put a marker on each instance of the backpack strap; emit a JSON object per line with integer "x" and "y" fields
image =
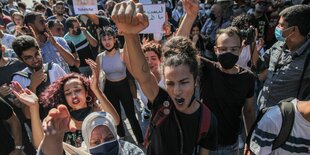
{"x": 258, "y": 118}
{"x": 162, "y": 112}
{"x": 288, "y": 116}
{"x": 205, "y": 122}
{"x": 22, "y": 73}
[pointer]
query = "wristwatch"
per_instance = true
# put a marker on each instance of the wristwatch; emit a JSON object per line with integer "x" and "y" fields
{"x": 19, "y": 147}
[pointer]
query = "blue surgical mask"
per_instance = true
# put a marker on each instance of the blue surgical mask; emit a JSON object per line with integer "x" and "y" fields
{"x": 106, "y": 148}
{"x": 278, "y": 33}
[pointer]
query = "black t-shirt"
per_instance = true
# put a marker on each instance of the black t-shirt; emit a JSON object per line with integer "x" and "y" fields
{"x": 166, "y": 139}
{"x": 225, "y": 95}
{"x": 7, "y": 144}
{"x": 13, "y": 66}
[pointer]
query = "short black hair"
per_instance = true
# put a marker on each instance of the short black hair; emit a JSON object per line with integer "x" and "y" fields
{"x": 298, "y": 15}
{"x": 230, "y": 31}
{"x": 22, "y": 5}
{"x": 39, "y": 6}
{"x": 60, "y": 3}
{"x": 23, "y": 43}
{"x": 70, "y": 21}
{"x": 241, "y": 20}
{"x": 30, "y": 18}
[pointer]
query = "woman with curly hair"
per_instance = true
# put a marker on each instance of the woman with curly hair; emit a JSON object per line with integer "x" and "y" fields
{"x": 79, "y": 94}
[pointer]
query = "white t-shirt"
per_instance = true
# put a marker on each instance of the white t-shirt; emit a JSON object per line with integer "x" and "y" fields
{"x": 269, "y": 127}
{"x": 55, "y": 73}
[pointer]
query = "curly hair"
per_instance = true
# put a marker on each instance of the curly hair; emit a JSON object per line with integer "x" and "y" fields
{"x": 54, "y": 94}
{"x": 180, "y": 50}
{"x": 152, "y": 46}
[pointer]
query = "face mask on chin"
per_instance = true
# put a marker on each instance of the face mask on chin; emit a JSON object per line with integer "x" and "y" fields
{"x": 111, "y": 49}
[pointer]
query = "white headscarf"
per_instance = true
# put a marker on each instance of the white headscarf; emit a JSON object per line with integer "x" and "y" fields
{"x": 96, "y": 119}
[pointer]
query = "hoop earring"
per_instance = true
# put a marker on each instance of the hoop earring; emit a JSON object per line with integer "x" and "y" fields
{"x": 88, "y": 98}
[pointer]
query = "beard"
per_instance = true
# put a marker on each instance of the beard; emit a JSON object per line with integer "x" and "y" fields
{"x": 60, "y": 13}
{"x": 35, "y": 68}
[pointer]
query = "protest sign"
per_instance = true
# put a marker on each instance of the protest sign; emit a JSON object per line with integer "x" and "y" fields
{"x": 85, "y": 6}
{"x": 156, "y": 16}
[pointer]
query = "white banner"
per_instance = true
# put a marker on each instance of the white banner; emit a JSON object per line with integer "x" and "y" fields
{"x": 85, "y": 6}
{"x": 156, "y": 14}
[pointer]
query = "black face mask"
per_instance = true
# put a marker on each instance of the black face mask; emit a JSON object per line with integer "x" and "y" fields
{"x": 78, "y": 32}
{"x": 212, "y": 16}
{"x": 228, "y": 60}
{"x": 80, "y": 114}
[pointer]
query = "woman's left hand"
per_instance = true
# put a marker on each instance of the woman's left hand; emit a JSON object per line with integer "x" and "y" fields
{"x": 94, "y": 84}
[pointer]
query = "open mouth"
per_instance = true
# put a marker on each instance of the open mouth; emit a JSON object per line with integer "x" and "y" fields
{"x": 180, "y": 101}
{"x": 75, "y": 101}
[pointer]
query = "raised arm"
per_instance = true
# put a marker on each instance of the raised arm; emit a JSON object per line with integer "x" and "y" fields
{"x": 191, "y": 8}
{"x": 67, "y": 56}
{"x": 104, "y": 103}
{"x": 92, "y": 41}
{"x": 56, "y": 123}
{"x": 130, "y": 19}
{"x": 125, "y": 58}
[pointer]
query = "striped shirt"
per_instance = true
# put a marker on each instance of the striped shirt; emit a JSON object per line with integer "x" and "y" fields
{"x": 82, "y": 47}
{"x": 269, "y": 127}
{"x": 284, "y": 73}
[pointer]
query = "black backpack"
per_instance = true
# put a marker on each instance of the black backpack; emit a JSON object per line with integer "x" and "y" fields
{"x": 41, "y": 87}
{"x": 288, "y": 116}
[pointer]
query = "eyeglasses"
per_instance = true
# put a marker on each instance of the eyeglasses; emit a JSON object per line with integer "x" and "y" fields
{"x": 234, "y": 49}
{"x": 31, "y": 58}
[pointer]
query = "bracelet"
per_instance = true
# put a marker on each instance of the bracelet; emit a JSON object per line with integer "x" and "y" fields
{"x": 19, "y": 147}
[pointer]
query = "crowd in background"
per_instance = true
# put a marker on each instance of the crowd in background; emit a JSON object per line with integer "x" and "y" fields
{"x": 58, "y": 67}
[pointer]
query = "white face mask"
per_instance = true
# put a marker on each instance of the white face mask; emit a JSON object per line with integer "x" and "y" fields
{"x": 157, "y": 36}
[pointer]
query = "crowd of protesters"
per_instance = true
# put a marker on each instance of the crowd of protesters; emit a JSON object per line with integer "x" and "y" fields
{"x": 213, "y": 82}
